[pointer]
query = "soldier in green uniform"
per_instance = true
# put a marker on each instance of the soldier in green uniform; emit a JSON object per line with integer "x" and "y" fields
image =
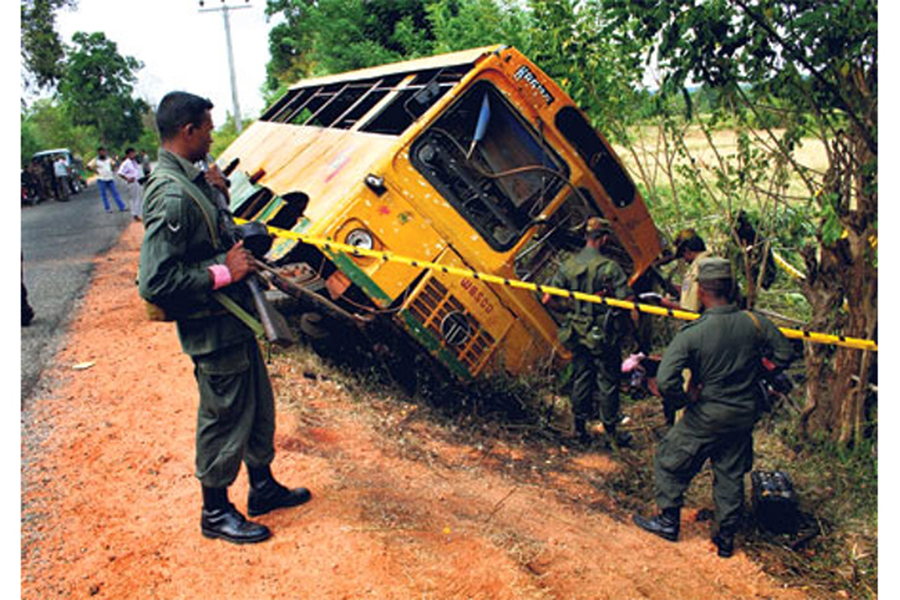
{"x": 723, "y": 349}
{"x": 594, "y": 332}
{"x": 187, "y": 255}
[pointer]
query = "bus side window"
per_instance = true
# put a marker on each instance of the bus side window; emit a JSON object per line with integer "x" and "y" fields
{"x": 605, "y": 167}
{"x": 288, "y": 215}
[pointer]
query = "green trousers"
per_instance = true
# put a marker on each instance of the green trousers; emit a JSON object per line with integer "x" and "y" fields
{"x": 681, "y": 455}
{"x": 236, "y": 416}
{"x": 595, "y": 385}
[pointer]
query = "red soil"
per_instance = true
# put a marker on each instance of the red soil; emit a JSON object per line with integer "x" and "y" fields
{"x": 400, "y": 510}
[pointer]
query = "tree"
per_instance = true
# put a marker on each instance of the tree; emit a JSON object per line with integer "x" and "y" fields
{"x": 809, "y": 64}
{"x": 46, "y": 125}
{"x": 290, "y": 42}
{"x": 459, "y": 25}
{"x": 331, "y": 36}
{"x": 96, "y": 89}
{"x": 41, "y": 48}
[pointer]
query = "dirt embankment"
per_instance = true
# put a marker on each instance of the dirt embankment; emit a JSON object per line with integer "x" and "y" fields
{"x": 401, "y": 508}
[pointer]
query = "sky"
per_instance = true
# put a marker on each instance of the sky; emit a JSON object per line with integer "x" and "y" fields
{"x": 183, "y": 48}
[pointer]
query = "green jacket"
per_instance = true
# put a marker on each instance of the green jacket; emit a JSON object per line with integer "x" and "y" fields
{"x": 175, "y": 254}
{"x": 723, "y": 350}
{"x": 591, "y": 323}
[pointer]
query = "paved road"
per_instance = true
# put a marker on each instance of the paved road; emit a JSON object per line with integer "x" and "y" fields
{"x": 60, "y": 242}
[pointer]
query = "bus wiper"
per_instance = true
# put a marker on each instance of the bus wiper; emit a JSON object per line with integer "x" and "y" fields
{"x": 484, "y": 117}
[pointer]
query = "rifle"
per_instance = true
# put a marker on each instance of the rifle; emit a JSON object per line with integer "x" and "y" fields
{"x": 258, "y": 241}
{"x": 256, "y": 238}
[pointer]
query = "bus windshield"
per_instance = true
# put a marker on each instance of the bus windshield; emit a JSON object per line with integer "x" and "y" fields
{"x": 490, "y": 165}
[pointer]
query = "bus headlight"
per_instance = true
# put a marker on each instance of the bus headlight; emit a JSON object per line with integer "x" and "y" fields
{"x": 361, "y": 239}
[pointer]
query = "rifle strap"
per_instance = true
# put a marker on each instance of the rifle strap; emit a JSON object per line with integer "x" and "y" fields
{"x": 755, "y": 320}
{"x": 199, "y": 198}
{"x": 236, "y": 309}
{"x": 209, "y": 215}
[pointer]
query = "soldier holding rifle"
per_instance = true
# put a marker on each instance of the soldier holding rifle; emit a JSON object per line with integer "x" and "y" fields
{"x": 187, "y": 263}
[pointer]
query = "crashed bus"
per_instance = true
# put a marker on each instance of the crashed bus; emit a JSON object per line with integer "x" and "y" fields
{"x": 474, "y": 159}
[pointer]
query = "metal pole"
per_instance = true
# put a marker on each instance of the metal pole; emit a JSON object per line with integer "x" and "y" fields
{"x": 238, "y": 121}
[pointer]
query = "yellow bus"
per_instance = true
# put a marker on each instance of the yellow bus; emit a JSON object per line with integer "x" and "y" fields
{"x": 474, "y": 159}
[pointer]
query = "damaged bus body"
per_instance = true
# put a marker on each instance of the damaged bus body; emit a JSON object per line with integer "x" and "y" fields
{"x": 475, "y": 160}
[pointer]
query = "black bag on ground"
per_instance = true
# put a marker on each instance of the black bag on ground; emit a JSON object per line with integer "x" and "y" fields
{"x": 775, "y": 503}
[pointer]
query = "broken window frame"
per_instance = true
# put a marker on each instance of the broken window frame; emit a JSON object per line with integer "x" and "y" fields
{"x": 389, "y": 114}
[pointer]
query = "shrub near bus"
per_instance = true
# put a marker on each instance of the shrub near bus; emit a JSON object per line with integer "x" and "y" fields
{"x": 474, "y": 159}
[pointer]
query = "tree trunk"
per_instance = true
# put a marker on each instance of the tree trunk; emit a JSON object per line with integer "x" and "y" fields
{"x": 842, "y": 288}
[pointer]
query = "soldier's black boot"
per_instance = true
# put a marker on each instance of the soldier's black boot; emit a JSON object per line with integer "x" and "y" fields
{"x": 266, "y": 494}
{"x": 666, "y": 524}
{"x": 620, "y": 439}
{"x": 220, "y": 519}
{"x": 581, "y": 433}
{"x": 724, "y": 541}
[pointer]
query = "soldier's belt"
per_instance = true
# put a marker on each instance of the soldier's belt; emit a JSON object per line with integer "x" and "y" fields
{"x": 386, "y": 256}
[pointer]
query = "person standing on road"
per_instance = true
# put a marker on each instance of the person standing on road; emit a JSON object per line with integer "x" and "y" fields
{"x": 182, "y": 263}
{"x": 594, "y": 332}
{"x": 102, "y": 165}
{"x": 61, "y": 172}
{"x": 132, "y": 172}
{"x": 723, "y": 350}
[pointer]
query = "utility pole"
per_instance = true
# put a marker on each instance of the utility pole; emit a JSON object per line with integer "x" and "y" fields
{"x": 234, "y": 94}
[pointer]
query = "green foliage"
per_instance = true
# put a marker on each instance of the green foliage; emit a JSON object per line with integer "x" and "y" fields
{"x": 46, "y": 125}
{"x": 96, "y": 89}
{"x": 339, "y": 35}
{"x": 601, "y": 72}
{"x": 225, "y": 134}
{"x": 803, "y": 53}
{"x": 41, "y": 48}
{"x": 30, "y": 141}
{"x": 459, "y": 25}
{"x": 290, "y": 42}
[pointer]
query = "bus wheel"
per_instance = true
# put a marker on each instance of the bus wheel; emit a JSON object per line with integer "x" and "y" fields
{"x": 313, "y": 327}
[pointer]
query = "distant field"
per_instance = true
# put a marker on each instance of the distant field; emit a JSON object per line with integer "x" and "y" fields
{"x": 652, "y": 152}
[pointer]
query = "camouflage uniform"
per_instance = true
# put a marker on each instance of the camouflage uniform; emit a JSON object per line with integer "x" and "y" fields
{"x": 594, "y": 332}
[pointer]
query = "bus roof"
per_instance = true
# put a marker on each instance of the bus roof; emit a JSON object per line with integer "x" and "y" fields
{"x": 419, "y": 64}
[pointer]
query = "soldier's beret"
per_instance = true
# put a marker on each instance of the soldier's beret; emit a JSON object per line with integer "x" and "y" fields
{"x": 713, "y": 268}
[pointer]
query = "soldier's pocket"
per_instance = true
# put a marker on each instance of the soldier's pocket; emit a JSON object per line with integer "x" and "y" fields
{"x": 222, "y": 375}
{"x": 679, "y": 454}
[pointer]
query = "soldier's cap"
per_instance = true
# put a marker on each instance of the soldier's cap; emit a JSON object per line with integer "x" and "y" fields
{"x": 714, "y": 268}
{"x": 596, "y": 227}
{"x": 681, "y": 240}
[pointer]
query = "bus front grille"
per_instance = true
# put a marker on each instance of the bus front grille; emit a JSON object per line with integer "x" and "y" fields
{"x": 447, "y": 319}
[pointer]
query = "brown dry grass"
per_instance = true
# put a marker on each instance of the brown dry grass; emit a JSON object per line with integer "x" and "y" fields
{"x": 651, "y": 151}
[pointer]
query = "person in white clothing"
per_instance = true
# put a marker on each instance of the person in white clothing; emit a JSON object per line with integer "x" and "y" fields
{"x": 61, "y": 171}
{"x": 131, "y": 172}
{"x": 106, "y": 179}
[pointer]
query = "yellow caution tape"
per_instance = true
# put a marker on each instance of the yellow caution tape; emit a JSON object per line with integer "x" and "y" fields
{"x": 786, "y": 266}
{"x": 388, "y": 256}
{"x": 873, "y": 239}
